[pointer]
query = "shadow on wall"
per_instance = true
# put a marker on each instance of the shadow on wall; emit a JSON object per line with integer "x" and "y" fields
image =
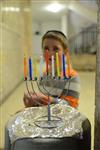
{"x": 84, "y": 62}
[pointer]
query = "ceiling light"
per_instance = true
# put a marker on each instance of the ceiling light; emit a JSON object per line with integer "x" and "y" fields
{"x": 10, "y": 9}
{"x": 55, "y": 7}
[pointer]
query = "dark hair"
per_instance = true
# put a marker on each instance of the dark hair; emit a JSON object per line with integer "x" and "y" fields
{"x": 58, "y": 35}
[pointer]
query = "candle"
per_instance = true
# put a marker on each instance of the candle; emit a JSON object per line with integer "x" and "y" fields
{"x": 69, "y": 64}
{"x": 57, "y": 63}
{"x": 30, "y": 68}
{"x": 53, "y": 67}
{"x": 25, "y": 67}
{"x": 35, "y": 68}
{"x": 63, "y": 65}
{"x": 41, "y": 67}
{"x": 47, "y": 61}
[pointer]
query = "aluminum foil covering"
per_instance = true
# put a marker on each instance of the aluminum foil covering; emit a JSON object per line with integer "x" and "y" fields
{"x": 23, "y": 125}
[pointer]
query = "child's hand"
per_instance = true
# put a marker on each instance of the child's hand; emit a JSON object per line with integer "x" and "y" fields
{"x": 32, "y": 100}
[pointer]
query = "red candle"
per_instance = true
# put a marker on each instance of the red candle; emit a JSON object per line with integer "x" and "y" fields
{"x": 47, "y": 61}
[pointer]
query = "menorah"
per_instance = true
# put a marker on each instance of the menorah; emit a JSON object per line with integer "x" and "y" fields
{"x": 42, "y": 79}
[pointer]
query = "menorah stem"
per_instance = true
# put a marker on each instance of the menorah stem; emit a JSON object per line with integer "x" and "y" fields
{"x": 49, "y": 111}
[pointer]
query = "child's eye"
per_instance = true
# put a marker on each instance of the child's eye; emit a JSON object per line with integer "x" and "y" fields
{"x": 55, "y": 49}
{"x": 46, "y": 48}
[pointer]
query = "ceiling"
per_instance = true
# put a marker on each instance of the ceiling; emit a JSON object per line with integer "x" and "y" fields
{"x": 41, "y": 14}
{"x": 79, "y": 8}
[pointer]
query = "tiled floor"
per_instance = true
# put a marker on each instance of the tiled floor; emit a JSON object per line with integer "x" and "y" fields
{"x": 87, "y": 98}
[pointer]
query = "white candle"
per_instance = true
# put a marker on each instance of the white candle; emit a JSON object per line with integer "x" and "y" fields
{"x": 53, "y": 67}
{"x": 41, "y": 66}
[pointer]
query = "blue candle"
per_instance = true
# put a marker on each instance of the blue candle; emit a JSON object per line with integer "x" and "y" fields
{"x": 63, "y": 65}
{"x": 30, "y": 68}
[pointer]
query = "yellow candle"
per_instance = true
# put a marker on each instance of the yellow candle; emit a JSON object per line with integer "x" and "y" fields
{"x": 53, "y": 67}
{"x": 57, "y": 64}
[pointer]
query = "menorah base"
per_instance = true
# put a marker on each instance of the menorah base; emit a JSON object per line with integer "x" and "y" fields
{"x": 53, "y": 122}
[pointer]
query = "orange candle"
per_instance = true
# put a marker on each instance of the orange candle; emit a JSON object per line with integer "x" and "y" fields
{"x": 69, "y": 64}
{"x": 35, "y": 68}
{"x": 25, "y": 67}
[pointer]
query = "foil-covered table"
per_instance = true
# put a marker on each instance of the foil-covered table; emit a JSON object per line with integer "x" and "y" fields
{"x": 23, "y": 124}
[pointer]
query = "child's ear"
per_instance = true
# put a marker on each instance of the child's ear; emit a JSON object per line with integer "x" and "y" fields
{"x": 66, "y": 51}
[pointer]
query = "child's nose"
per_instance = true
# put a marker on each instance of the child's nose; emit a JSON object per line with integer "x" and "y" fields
{"x": 51, "y": 53}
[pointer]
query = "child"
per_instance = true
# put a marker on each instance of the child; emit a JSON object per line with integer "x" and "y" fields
{"x": 67, "y": 90}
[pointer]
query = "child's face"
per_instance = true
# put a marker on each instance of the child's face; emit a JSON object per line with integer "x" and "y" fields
{"x": 53, "y": 46}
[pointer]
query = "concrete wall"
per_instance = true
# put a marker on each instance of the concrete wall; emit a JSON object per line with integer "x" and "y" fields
{"x": 12, "y": 45}
{"x": 41, "y": 28}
